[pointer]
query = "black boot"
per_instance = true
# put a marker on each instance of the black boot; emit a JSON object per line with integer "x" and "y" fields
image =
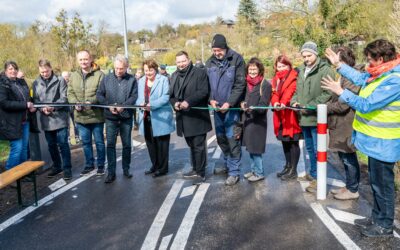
{"x": 284, "y": 171}
{"x": 290, "y": 175}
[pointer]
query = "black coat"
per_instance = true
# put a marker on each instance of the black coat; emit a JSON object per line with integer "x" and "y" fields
{"x": 195, "y": 91}
{"x": 255, "y": 122}
{"x": 118, "y": 91}
{"x": 13, "y": 109}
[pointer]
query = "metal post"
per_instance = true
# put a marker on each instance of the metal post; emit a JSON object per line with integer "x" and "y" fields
{"x": 125, "y": 29}
{"x": 321, "y": 148}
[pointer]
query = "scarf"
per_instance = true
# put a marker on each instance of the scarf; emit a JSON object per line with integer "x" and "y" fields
{"x": 382, "y": 68}
{"x": 280, "y": 77}
{"x": 252, "y": 82}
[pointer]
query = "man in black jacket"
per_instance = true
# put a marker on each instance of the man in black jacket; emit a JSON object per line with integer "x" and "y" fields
{"x": 189, "y": 88}
{"x": 118, "y": 88}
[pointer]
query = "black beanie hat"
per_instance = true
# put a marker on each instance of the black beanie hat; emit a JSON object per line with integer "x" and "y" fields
{"x": 219, "y": 41}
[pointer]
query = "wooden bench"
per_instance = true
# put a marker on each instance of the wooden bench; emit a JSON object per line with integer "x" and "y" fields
{"x": 27, "y": 168}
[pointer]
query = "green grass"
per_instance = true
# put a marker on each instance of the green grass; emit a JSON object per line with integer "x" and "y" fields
{"x": 4, "y": 149}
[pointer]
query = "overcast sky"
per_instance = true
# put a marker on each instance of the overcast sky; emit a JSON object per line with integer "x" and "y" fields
{"x": 140, "y": 13}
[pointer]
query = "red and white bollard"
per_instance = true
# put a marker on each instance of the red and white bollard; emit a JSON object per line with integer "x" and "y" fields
{"x": 322, "y": 128}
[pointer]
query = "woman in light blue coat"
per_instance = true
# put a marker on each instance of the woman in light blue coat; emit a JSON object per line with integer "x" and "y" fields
{"x": 156, "y": 121}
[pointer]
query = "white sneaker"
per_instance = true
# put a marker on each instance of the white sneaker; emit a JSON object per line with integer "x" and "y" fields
{"x": 248, "y": 175}
{"x": 255, "y": 178}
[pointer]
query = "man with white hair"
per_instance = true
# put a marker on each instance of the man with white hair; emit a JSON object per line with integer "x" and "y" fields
{"x": 116, "y": 88}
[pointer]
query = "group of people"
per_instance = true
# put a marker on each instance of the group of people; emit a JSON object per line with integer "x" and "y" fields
{"x": 363, "y": 113}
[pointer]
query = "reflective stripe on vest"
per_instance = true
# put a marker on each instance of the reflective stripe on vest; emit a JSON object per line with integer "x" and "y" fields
{"x": 383, "y": 123}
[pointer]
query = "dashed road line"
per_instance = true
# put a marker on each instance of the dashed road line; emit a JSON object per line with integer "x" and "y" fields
{"x": 340, "y": 235}
{"x": 165, "y": 242}
{"x": 185, "y": 228}
{"x": 154, "y": 232}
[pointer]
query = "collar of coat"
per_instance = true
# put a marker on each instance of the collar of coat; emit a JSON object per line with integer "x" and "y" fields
{"x": 318, "y": 64}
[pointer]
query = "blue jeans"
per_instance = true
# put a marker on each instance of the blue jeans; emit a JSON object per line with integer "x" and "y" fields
{"x": 310, "y": 139}
{"x": 352, "y": 169}
{"x": 257, "y": 164}
{"x": 57, "y": 141}
{"x": 85, "y": 132}
{"x": 124, "y": 128}
{"x": 381, "y": 179}
{"x": 224, "y": 124}
{"x": 19, "y": 148}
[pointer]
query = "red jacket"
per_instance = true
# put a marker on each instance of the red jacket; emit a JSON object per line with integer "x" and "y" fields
{"x": 286, "y": 117}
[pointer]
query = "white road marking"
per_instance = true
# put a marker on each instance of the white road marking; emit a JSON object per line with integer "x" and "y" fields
{"x": 58, "y": 184}
{"x": 217, "y": 153}
{"x": 187, "y": 191}
{"x": 43, "y": 201}
{"x": 136, "y": 143}
{"x": 340, "y": 235}
{"x": 335, "y": 182}
{"x": 301, "y": 171}
{"x": 212, "y": 138}
{"x": 349, "y": 218}
{"x": 187, "y": 223}
{"x": 165, "y": 242}
{"x": 46, "y": 200}
{"x": 304, "y": 185}
{"x": 153, "y": 234}
{"x": 343, "y": 216}
{"x": 211, "y": 150}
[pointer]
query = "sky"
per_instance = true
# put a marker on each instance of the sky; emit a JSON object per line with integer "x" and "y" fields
{"x": 140, "y": 14}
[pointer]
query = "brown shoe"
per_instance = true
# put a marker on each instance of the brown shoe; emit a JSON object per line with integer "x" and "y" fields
{"x": 312, "y": 188}
{"x": 338, "y": 190}
{"x": 307, "y": 177}
{"x": 347, "y": 195}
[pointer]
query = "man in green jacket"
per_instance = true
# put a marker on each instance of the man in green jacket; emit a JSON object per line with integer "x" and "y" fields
{"x": 89, "y": 121}
{"x": 309, "y": 94}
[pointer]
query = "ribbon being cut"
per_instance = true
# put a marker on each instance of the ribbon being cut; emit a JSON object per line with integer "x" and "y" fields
{"x": 42, "y": 105}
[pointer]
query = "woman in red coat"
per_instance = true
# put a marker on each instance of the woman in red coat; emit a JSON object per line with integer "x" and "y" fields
{"x": 286, "y": 125}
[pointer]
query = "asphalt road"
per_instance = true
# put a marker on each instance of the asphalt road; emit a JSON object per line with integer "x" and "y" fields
{"x": 171, "y": 213}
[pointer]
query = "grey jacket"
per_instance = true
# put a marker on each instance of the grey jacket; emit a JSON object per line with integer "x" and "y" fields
{"x": 53, "y": 90}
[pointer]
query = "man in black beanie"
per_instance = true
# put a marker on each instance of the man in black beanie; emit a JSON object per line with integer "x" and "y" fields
{"x": 226, "y": 72}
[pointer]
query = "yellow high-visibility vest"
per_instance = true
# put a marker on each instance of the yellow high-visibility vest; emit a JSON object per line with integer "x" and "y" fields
{"x": 383, "y": 123}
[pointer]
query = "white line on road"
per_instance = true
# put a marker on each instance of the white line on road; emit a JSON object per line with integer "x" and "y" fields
{"x": 58, "y": 184}
{"x": 343, "y": 216}
{"x": 349, "y": 218}
{"x": 18, "y": 217}
{"x": 165, "y": 242}
{"x": 187, "y": 191}
{"x": 217, "y": 153}
{"x": 43, "y": 201}
{"x": 301, "y": 167}
{"x": 340, "y": 235}
{"x": 187, "y": 223}
{"x": 210, "y": 150}
{"x": 150, "y": 242}
{"x": 212, "y": 138}
{"x": 335, "y": 182}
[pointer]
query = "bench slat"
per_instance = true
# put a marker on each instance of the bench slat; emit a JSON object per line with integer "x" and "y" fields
{"x": 17, "y": 172}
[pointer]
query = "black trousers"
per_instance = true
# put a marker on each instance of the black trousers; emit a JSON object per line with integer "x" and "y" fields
{"x": 198, "y": 152}
{"x": 158, "y": 148}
